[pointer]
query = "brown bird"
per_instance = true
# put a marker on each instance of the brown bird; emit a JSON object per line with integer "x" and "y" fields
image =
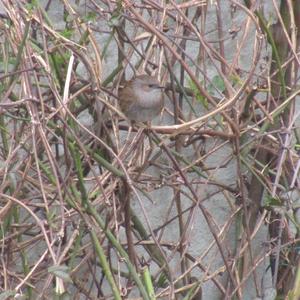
{"x": 142, "y": 98}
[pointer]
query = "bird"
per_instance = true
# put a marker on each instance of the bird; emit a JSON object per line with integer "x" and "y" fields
{"x": 141, "y": 99}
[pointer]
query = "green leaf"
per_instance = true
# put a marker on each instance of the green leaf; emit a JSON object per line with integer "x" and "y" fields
{"x": 67, "y": 33}
{"x": 31, "y": 6}
{"x": 114, "y": 21}
{"x": 90, "y": 17}
{"x": 235, "y": 79}
{"x": 61, "y": 272}
{"x": 297, "y": 147}
{"x": 64, "y": 296}
{"x": 272, "y": 201}
{"x": 198, "y": 95}
{"x": 162, "y": 281}
{"x": 218, "y": 82}
{"x": 5, "y": 295}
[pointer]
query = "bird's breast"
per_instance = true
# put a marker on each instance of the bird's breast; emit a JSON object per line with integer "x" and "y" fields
{"x": 150, "y": 99}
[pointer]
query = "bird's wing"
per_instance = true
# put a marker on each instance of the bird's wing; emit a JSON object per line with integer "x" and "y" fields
{"x": 126, "y": 97}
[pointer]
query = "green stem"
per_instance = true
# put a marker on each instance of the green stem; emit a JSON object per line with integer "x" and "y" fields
{"x": 105, "y": 266}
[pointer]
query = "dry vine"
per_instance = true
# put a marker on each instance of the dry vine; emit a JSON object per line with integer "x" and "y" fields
{"x": 202, "y": 203}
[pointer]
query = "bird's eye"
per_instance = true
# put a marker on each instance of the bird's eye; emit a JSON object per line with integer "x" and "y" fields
{"x": 154, "y": 86}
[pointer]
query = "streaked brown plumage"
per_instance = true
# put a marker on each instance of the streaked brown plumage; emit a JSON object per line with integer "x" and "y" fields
{"x": 141, "y": 99}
